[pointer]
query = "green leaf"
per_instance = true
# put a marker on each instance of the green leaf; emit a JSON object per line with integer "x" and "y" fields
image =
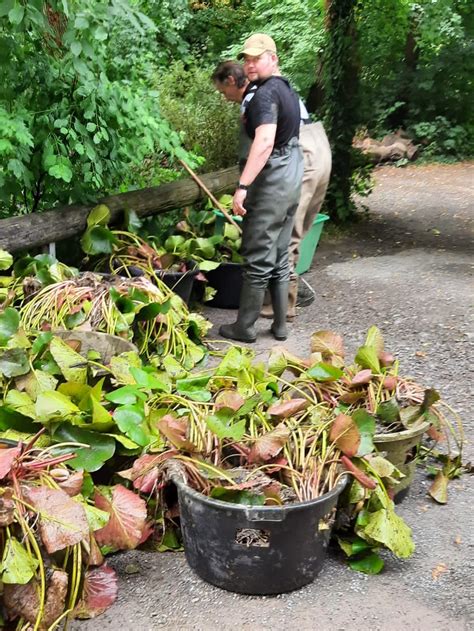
{"x": 388, "y": 528}
{"x": 245, "y": 498}
{"x": 100, "y": 33}
{"x": 366, "y": 425}
{"x": 151, "y": 310}
{"x": 388, "y": 411}
{"x": 126, "y": 395}
{"x": 72, "y": 365}
{"x": 16, "y": 14}
{"x": 374, "y": 339}
{"x": 369, "y": 563}
{"x": 53, "y": 406}
{"x": 98, "y": 240}
{"x": 194, "y": 388}
{"x": 96, "y": 518}
{"x": 99, "y": 215}
{"x": 367, "y": 358}
{"x": 18, "y": 566}
{"x": 174, "y": 243}
{"x": 129, "y": 419}
{"x": 325, "y": 372}
{"x": 101, "y": 447}
{"x": 207, "y": 266}
{"x": 439, "y": 488}
{"x": 14, "y": 362}
{"x": 431, "y": 397}
{"x": 76, "y": 48}
{"x": 102, "y": 420}
{"x": 61, "y": 171}
{"x": 223, "y": 428}
{"x": 20, "y": 402}
{"x": 9, "y": 323}
{"x": 121, "y": 365}
{"x": 148, "y": 380}
{"x": 6, "y": 260}
{"x": 41, "y": 341}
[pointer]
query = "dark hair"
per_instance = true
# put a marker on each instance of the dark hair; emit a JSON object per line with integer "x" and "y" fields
{"x": 228, "y": 69}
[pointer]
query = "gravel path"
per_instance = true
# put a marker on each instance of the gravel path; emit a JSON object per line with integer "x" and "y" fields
{"x": 406, "y": 266}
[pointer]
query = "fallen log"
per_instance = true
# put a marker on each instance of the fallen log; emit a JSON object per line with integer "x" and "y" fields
{"x": 28, "y": 231}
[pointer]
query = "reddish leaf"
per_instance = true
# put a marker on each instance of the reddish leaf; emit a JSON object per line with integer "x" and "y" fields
{"x": 62, "y": 521}
{"x": 389, "y": 382}
{"x": 99, "y": 592}
{"x": 175, "y": 430}
{"x": 73, "y": 485}
{"x": 23, "y": 600}
{"x": 327, "y": 343}
{"x": 7, "y": 457}
{"x": 358, "y": 474}
{"x": 289, "y": 408}
{"x": 269, "y": 445}
{"x": 435, "y": 434}
{"x": 127, "y": 511}
{"x": 352, "y": 397}
{"x": 362, "y": 377}
{"x": 95, "y": 556}
{"x": 7, "y": 508}
{"x": 386, "y": 359}
{"x": 345, "y": 433}
{"x": 229, "y": 399}
{"x": 145, "y": 471}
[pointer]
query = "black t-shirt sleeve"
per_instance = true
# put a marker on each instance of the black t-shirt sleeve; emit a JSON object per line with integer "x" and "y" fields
{"x": 265, "y": 107}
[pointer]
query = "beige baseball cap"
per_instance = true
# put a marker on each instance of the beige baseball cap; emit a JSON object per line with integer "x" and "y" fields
{"x": 257, "y": 44}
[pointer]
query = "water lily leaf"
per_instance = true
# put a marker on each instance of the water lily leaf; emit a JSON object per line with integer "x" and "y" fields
{"x": 126, "y": 395}
{"x": 6, "y": 260}
{"x": 98, "y": 216}
{"x": 102, "y": 420}
{"x": 362, "y": 377}
{"x": 234, "y": 362}
{"x": 18, "y": 566}
{"x": 101, "y": 447}
{"x": 430, "y": 397}
{"x": 145, "y": 471}
{"x": 388, "y": 411}
{"x": 229, "y": 399}
{"x": 365, "y": 480}
{"x": 14, "y": 362}
{"x": 62, "y": 520}
{"x": 130, "y": 421}
{"x": 99, "y": 592}
{"x": 96, "y": 518}
{"x": 325, "y": 372}
{"x": 269, "y": 445}
{"x": 151, "y": 310}
{"x": 223, "y": 426}
{"x": 127, "y": 517}
{"x": 72, "y": 365}
{"x": 98, "y": 240}
{"x": 21, "y": 402}
{"x": 54, "y": 405}
{"x": 410, "y": 414}
{"x": 388, "y": 528}
{"x": 173, "y": 368}
{"x": 374, "y": 338}
{"x": 245, "y": 498}
{"x": 280, "y": 359}
{"x": 382, "y": 467}
{"x": 174, "y": 242}
{"x": 287, "y": 409}
{"x": 366, "y": 425}
{"x": 7, "y": 458}
{"x": 439, "y": 489}
{"x": 194, "y": 388}
{"x": 148, "y": 380}
{"x": 369, "y": 563}
{"x": 37, "y": 381}
{"x": 353, "y": 546}
{"x": 73, "y": 484}
{"x": 9, "y": 323}
{"x": 367, "y": 357}
{"x": 327, "y": 343}
{"x": 345, "y": 433}
{"x": 176, "y": 431}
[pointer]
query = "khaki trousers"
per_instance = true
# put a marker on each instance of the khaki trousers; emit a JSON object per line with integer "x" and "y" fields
{"x": 317, "y": 170}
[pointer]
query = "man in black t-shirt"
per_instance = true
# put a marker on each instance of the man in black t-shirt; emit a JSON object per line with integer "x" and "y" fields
{"x": 268, "y": 191}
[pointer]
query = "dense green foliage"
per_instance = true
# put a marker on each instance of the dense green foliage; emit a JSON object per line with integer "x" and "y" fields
{"x": 100, "y": 96}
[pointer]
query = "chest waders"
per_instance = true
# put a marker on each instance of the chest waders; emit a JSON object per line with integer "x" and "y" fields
{"x": 271, "y": 204}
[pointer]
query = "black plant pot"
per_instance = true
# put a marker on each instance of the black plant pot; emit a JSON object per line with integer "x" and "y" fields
{"x": 255, "y": 549}
{"x": 180, "y": 282}
{"x": 227, "y": 281}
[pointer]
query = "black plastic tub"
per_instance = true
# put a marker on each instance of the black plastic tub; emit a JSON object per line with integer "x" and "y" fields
{"x": 227, "y": 280}
{"x": 256, "y": 549}
{"x": 180, "y": 282}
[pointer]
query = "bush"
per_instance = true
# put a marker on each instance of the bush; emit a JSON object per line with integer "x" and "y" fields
{"x": 208, "y": 124}
{"x": 442, "y": 138}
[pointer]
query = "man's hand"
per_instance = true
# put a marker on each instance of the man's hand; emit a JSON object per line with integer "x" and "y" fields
{"x": 238, "y": 202}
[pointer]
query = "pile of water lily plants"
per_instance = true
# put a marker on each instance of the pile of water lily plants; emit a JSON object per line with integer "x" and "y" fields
{"x": 87, "y": 443}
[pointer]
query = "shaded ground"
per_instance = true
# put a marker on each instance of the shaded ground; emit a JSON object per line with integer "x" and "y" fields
{"x": 407, "y": 268}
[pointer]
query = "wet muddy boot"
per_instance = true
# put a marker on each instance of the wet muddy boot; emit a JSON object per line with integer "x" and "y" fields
{"x": 243, "y": 330}
{"x": 279, "y": 293}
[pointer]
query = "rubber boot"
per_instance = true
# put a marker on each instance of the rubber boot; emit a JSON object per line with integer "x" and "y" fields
{"x": 267, "y": 309}
{"x": 243, "y": 330}
{"x": 279, "y": 293}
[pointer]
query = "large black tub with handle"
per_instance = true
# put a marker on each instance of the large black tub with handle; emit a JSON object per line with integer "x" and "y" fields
{"x": 255, "y": 549}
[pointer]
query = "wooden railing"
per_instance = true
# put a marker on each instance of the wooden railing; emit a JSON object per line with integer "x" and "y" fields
{"x": 28, "y": 231}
